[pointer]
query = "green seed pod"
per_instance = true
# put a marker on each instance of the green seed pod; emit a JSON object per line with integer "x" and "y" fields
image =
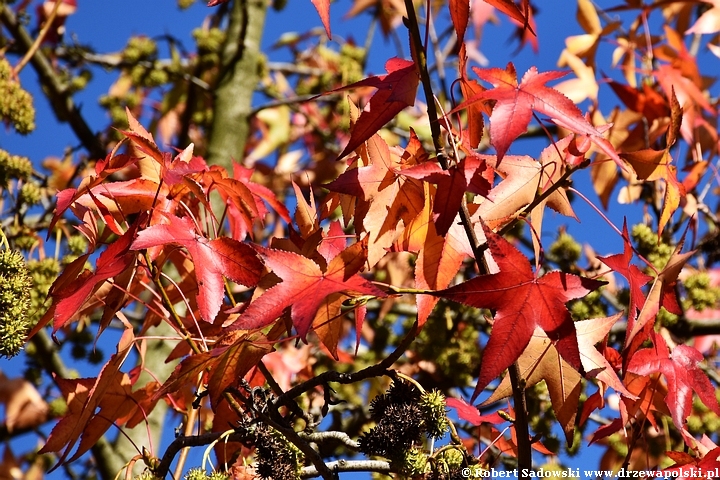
{"x": 30, "y": 194}
{"x": 14, "y": 167}
{"x": 146, "y": 475}
{"x": 565, "y": 250}
{"x": 15, "y": 285}
{"x": 196, "y": 474}
{"x": 219, "y": 476}
{"x": 452, "y": 458}
{"x": 414, "y": 463}
{"x": 17, "y": 104}
{"x": 77, "y": 244}
{"x": 432, "y": 405}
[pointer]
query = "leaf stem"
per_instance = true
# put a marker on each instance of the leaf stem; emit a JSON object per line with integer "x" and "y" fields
{"x": 38, "y": 41}
{"x": 155, "y": 274}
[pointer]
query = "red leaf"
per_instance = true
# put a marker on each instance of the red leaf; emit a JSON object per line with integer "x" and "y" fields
{"x": 687, "y": 467}
{"x": 387, "y": 199}
{"x": 175, "y": 169}
{"x": 470, "y": 413}
{"x": 636, "y": 278}
{"x": 591, "y": 332}
{"x": 460, "y": 15}
{"x": 471, "y": 174}
{"x": 541, "y": 361}
{"x": 521, "y": 302}
{"x": 304, "y": 287}
{"x": 396, "y": 90}
{"x": 515, "y": 103}
{"x": 226, "y": 365}
{"x": 113, "y": 261}
{"x": 509, "y": 8}
{"x": 323, "y": 9}
{"x": 662, "y": 294}
{"x": 212, "y": 259}
{"x": 683, "y": 375}
{"x": 111, "y": 392}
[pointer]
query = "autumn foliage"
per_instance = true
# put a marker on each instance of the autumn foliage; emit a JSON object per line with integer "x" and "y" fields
{"x": 371, "y": 278}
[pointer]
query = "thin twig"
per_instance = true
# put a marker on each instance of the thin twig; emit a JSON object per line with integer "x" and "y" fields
{"x": 38, "y": 41}
{"x": 332, "y": 376}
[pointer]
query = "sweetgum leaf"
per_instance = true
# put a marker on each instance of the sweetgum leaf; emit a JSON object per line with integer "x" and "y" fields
{"x": 683, "y": 374}
{"x": 470, "y": 413}
{"x": 521, "y": 302}
{"x": 305, "y": 286}
{"x": 515, "y": 104}
{"x": 213, "y": 259}
{"x": 70, "y": 298}
{"x": 620, "y": 263}
{"x": 396, "y": 90}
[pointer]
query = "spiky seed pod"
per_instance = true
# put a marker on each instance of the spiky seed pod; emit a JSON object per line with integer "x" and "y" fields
{"x": 14, "y": 167}
{"x": 451, "y": 458}
{"x": 15, "y": 285}
{"x": 399, "y": 393}
{"x": 146, "y": 475}
{"x": 395, "y": 433}
{"x": 219, "y": 476}
{"x": 403, "y": 392}
{"x": 196, "y": 474}
{"x": 565, "y": 250}
{"x": 477, "y": 471}
{"x": 139, "y": 48}
{"x": 378, "y": 405}
{"x": 432, "y": 405}
{"x": 30, "y": 194}
{"x": 277, "y": 459}
{"x": 414, "y": 462}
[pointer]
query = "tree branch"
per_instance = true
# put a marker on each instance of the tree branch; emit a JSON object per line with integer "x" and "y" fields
{"x": 237, "y": 81}
{"x": 332, "y": 436}
{"x": 380, "y": 369}
{"x": 60, "y": 98}
{"x": 194, "y": 441}
{"x": 349, "y": 466}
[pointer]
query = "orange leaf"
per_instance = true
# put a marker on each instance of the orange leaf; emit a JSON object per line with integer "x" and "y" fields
{"x": 541, "y": 361}
{"x": 304, "y": 287}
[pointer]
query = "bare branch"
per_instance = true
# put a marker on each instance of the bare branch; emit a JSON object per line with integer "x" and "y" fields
{"x": 349, "y": 466}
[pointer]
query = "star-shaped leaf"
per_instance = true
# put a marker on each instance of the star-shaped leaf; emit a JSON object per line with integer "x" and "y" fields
{"x": 522, "y": 302}
{"x": 621, "y": 263}
{"x": 213, "y": 259}
{"x": 387, "y": 199}
{"x": 589, "y": 333}
{"x": 396, "y": 90}
{"x": 515, "y": 104}
{"x": 683, "y": 374}
{"x": 662, "y": 294}
{"x": 305, "y": 286}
